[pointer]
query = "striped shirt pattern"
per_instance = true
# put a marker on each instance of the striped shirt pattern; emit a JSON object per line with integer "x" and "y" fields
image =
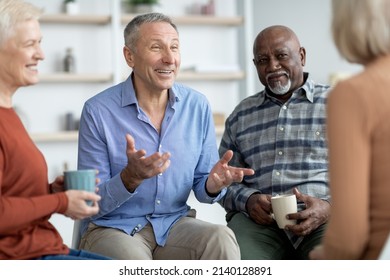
{"x": 284, "y": 143}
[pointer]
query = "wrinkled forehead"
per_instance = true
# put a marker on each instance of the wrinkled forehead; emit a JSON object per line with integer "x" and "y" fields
{"x": 153, "y": 29}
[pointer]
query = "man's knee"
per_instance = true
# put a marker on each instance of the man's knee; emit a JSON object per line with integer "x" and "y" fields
{"x": 114, "y": 243}
{"x": 222, "y": 239}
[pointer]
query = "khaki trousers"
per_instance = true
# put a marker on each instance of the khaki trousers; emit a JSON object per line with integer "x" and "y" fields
{"x": 189, "y": 239}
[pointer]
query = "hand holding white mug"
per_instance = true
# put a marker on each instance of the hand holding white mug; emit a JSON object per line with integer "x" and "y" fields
{"x": 282, "y": 205}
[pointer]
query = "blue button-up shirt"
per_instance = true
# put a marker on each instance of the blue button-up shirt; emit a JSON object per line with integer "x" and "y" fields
{"x": 187, "y": 132}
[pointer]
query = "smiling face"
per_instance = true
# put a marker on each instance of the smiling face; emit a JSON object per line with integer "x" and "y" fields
{"x": 279, "y": 60}
{"x": 20, "y": 55}
{"x": 156, "y": 60}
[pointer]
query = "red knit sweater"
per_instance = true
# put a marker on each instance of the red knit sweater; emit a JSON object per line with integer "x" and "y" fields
{"x": 25, "y": 201}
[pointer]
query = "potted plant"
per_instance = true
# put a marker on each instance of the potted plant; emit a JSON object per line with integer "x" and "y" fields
{"x": 142, "y": 6}
{"x": 71, "y": 7}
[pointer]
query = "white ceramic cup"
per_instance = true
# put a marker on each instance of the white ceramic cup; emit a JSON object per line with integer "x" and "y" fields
{"x": 281, "y": 206}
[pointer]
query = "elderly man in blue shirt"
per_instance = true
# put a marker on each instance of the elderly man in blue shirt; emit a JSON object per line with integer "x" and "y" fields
{"x": 153, "y": 141}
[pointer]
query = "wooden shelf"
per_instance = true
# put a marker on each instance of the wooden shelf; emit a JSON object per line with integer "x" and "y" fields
{"x": 73, "y": 136}
{"x": 75, "y": 19}
{"x": 209, "y": 76}
{"x": 63, "y": 136}
{"x": 75, "y": 77}
{"x": 105, "y": 19}
{"x": 206, "y": 76}
{"x": 219, "y": 129}
{"x": 197, "y": 20}
{"x": 105, "y": 78}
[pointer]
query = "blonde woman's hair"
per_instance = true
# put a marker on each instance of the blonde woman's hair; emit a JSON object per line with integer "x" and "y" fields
{"x": 11, "y": 13}
{"x": 361, "y": 29}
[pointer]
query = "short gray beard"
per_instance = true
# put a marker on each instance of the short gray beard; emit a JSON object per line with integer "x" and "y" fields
{"x": 280, "y": 89}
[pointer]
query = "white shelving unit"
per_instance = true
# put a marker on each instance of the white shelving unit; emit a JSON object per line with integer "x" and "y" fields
{"x": 76, "y": 78}
{"x": 115, "y": 20}
{"x": 75, "y": 19}
{"x": 72, "y": 136}
{"x": 64, "y": 136}
{"x": 191, "y": 20}
{"x": 197, "y": 20}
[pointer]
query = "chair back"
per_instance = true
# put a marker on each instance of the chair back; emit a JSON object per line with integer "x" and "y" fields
{"x": 385, "y": 253}
{"x": 76, "y": 234}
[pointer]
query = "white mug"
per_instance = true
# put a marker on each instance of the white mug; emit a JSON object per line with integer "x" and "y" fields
{"x": 281, "y": 206}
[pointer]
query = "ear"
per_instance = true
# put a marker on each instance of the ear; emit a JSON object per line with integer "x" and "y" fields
{"x": 254, "y": 62}
{"x": 302, "y": 52}
{"x": 128, "y": 54}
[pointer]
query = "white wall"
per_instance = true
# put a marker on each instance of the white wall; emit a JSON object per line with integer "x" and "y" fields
{"x": 310, "y": 19}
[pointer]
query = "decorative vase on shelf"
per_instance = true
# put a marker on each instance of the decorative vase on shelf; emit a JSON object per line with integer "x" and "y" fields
{"x": 142, "y": 6}
{"x": 69, "y": 61}
{"x": 143, "y": 9}
{"x": 71, "y": 7}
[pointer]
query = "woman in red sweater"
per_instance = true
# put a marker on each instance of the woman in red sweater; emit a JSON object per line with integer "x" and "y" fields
{"x": 27, "y": 200}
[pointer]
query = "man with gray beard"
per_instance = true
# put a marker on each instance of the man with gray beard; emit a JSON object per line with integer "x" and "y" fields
{"x": 280, "y": 133}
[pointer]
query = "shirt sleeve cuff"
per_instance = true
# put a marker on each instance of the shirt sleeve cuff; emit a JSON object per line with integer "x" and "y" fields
{"x": 118, "y": 191}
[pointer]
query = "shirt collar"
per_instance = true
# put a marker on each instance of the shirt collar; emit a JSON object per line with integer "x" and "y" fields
{"x": 128, "y": 93}
{"x": 129, "y": 97}
{"x": 306, "y": 90}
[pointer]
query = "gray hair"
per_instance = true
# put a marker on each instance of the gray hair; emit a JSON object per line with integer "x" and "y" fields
{"x": 131, "y": 32}
{"x": 13, "y": 12}
{"x": 360, "y": 29}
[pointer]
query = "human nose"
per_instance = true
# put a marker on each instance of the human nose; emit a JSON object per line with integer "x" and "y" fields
{"x": 168, "y": 57}
{"x": 39, "y": 53}
{"x": 274, "y": 64}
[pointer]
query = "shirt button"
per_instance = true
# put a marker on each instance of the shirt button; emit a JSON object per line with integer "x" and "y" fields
{"x": 160, "y": 174}
{"x": 278, "y": 173}
{"x": 284, "y": 107}
{"x": 281, "y": 128}
{"x": 280, "y": 153}
{"x": 318, "y": 133}
{"x": 158, "y": 202}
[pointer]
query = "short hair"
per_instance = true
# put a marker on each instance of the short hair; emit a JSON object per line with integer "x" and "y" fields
{"x": 13, "y": 12}
{"x": 360, "y": 29}
{"x": 131, "y": 32}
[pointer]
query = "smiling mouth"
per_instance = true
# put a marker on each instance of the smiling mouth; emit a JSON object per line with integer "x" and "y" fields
{"x": 164, "y": 71}
{"x": 272, "y": 77}
{"x": 33, "y": 67}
